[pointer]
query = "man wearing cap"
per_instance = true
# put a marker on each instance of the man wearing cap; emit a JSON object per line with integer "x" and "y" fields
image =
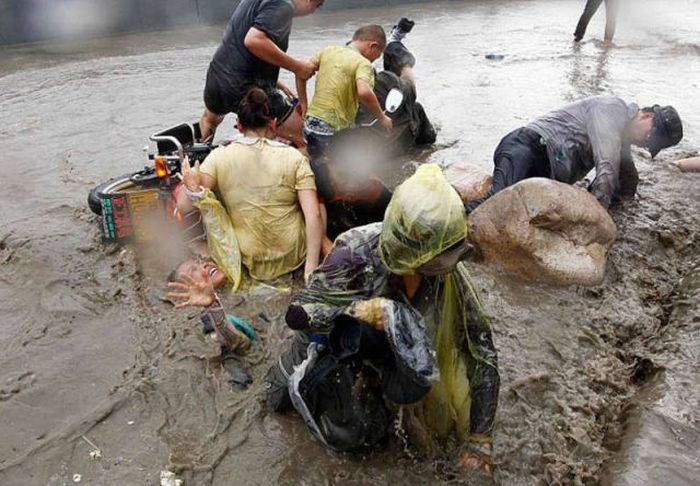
{"x": 593, "y": 133}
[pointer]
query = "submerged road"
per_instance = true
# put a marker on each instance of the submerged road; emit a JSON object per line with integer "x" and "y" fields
{"x": 86, "y": 348}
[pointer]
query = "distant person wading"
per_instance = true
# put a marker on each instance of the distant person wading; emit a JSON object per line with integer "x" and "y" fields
{"x": 611, "y": 7}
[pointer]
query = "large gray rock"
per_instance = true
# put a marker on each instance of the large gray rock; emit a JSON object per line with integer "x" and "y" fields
{"x": 545, "y": 231}
{"x": 470, "y": 182}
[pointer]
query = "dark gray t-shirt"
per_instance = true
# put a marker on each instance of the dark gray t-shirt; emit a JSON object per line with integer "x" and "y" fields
{"x": 232, "y": 58}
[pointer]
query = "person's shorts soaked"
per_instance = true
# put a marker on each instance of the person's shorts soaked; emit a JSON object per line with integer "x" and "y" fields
{"x": 223, "y": 95}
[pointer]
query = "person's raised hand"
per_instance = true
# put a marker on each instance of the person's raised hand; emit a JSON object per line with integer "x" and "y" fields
{"x": 195, "y": 290}
{"x": 190, "y": 175}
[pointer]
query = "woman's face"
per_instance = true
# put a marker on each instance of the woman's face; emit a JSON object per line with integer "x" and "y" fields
{"x": 189, "y": 267}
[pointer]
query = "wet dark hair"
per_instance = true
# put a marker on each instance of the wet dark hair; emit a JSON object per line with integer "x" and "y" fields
{"x": 648, "y": 109}
{"x": 373, "y": 33}
{"x": 254, "y": 110}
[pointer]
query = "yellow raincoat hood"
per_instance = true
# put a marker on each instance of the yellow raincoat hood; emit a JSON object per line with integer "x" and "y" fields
{"x": 424, "y": 218}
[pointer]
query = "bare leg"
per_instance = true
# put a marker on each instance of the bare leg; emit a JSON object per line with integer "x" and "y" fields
{"x": 610, "y": 19}
{"x": 293, "y": 130}
{"x": 208, "y": 124}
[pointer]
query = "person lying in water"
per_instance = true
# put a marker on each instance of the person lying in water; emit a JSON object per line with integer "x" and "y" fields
{"x": 269, "y": 191}
{"x": 595, "y": 132}
{"x": 370, "y": 314}
{"x": 410, "y": 122}
{"x": 194, "y": 266}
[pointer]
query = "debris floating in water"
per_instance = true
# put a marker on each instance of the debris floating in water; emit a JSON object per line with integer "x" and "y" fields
{"x": 77, "y": 478}
{"x": 495, "y": 57}
{"x": 168, "y": 478}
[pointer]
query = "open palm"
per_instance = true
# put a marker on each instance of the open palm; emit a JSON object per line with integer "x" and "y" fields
{"x": 195, "y": 290}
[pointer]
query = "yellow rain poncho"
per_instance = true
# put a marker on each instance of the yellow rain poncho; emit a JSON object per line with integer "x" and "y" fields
{"x": 424, "y": 219}
{"x": 221, "y": 237}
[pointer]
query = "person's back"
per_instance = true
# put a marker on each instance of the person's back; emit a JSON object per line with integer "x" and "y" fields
{"x": 234, "y": 58}
{"x": 258, "y": 180}
{"x": 335, "y": 99}
{"x": 579, "y": 134}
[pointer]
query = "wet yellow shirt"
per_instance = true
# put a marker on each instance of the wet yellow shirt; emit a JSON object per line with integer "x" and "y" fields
{"x": 258, "y": 180}
{"x": 335, "y": 98}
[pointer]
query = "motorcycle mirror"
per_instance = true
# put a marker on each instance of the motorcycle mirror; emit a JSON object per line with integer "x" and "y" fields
{"x": 393, "y": 100}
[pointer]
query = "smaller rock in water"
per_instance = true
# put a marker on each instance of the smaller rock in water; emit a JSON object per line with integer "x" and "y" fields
{"x": 470, "y": 182}
{"x": 495, "y": 57}
{"x": 545, "y": 231}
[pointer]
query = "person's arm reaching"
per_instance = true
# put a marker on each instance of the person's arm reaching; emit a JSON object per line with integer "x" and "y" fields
{"x": 314, "y": 228}
{"x": 197, "y": 290}
{"x": 367, "y": 97}
{"x": 303, "y": 96}
{"x": 605, "y": 128}
{"x": 628, "y": 177}
{"x": 262, "y": 47}
{"x": 193, "y": 181}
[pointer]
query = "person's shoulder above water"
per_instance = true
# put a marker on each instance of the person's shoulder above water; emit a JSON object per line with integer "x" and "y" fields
{"x": 274, "y": 17}
{"x": 342, "y": 54}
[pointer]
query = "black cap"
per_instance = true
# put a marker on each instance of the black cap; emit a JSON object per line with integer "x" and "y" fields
{"x": 666, "y": 131}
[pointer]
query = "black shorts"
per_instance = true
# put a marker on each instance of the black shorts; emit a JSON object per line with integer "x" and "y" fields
{"x": 223, "y": 95}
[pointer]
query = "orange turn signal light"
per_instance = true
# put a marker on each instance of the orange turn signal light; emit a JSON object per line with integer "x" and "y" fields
{"x": 161, "y": 166}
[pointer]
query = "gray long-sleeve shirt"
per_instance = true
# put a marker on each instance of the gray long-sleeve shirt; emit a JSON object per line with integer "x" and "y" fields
{"x": 588, "y": 134}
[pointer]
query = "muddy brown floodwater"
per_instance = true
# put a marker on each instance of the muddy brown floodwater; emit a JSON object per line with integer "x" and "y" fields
{"x": 598, "y": 384}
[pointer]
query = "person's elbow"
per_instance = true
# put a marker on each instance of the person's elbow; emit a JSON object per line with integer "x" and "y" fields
{"x": 364, "y": 90}
{"x": 253, "y": 39}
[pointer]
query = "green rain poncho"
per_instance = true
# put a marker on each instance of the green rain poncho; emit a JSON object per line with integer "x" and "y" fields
{"x": 425, "y": 218}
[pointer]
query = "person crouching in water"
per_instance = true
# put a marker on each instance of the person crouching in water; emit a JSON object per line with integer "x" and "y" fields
{"x": 366, "y": 324}
{"x": 595, "y": 132}
{"x": 268, "y": 190}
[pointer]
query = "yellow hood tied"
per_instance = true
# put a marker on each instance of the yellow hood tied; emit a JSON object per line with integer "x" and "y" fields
{"x": 424, "y": 218}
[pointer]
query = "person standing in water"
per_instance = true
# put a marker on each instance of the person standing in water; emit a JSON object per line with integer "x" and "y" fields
{"x": 253, "y": 50}
{"x": 589, "y": 10}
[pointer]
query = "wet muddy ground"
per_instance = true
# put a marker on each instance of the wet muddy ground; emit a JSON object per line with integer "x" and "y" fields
{"x": 598, "y": 384}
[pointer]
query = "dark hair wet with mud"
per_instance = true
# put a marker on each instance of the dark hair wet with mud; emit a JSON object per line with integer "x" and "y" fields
{"x": 254, "y": 110}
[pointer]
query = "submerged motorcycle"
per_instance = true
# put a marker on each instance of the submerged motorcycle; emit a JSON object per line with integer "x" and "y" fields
{"x": 123, "y": 200}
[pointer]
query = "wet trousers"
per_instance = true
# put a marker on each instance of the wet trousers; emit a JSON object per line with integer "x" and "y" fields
{"x": 520, "y": 155}
{"x": 590, "y": 10}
